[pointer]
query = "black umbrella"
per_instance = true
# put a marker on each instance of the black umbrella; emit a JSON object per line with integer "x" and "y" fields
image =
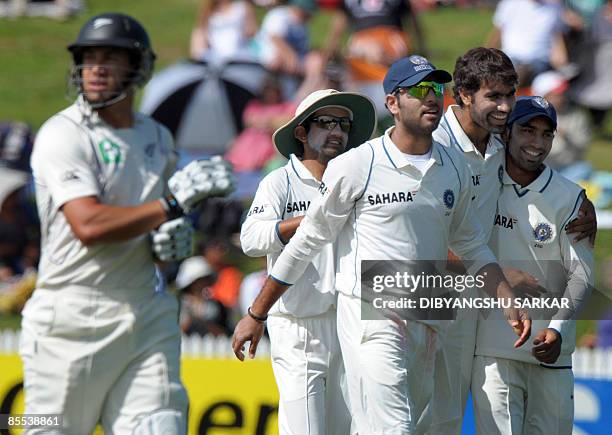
{"x": 202, "y": 103}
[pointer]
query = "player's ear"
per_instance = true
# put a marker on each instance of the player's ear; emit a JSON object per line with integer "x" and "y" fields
{"x": 392, "y": 103}
{"x": 300, "y": 134}
{"x": 466, "y": 98}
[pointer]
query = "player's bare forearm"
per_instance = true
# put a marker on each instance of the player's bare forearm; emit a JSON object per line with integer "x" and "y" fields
{"x": 94, "y": 222}
{"x": 288, "y": 227}
{"x": 269, "y": 294}
{"x": 454, "y": 263}
{"x": 251, "y": 327}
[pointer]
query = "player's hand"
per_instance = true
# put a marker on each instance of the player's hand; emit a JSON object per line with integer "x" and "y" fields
{"x": 522, "y": 283}
{"x": 547, "y": 346}
{"x": 248, "y": 329}
{"x": 518, "y": 319}
{"x": 585, "y": 225}
{"x": 173, "y": 240}
{"x": 201, "y": 179}
{"x": 521, "y": 325}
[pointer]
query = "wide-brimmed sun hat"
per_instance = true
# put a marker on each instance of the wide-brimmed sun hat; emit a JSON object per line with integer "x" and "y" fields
{"x": 361, "y": 107}
{"x": 192, "y": 269}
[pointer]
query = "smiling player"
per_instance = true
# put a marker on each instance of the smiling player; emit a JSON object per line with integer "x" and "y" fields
{"x": 530, "y": 390}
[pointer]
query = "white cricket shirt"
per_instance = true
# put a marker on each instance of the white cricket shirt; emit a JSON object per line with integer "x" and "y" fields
{"x": 76, "y": 156}
{"x": 484, "y": 179}
{"x": 377, "y": 206}
{"x": 285, "y": 193}
{"x": 529, "y": 234}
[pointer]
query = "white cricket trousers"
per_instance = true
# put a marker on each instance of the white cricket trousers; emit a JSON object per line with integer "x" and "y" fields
{"x": 454, "y": 359}
{"x": 515, "y": 397}
{"x": 308, "y": 368}
{"x": 389, "y": 368}
{"x": 108, "y": 356}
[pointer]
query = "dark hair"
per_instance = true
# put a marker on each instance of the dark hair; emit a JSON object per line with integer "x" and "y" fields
{"x": 479, "y": 66}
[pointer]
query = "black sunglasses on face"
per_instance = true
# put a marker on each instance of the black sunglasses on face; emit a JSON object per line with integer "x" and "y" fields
{"x": 325, "y": 122}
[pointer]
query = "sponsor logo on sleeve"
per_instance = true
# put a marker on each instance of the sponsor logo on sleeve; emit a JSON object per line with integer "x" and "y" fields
{"x": 69, "y": 176}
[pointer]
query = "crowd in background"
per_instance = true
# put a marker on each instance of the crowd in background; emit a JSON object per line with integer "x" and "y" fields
{"x": 561, "y": 49}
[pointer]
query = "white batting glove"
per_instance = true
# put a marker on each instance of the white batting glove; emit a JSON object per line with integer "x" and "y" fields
{"x": 173, "y": 240}
{"x": 201, "y": 179}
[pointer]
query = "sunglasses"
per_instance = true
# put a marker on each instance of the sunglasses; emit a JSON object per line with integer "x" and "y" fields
{"x": 420, "y": 90}
{"x": 330, "y": 122}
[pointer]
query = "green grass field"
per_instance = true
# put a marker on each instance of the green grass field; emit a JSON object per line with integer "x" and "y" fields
{"x": 35, "y": 62}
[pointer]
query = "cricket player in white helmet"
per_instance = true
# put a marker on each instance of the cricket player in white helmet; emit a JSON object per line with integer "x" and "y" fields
{"x": 484, "y": 89}
{"x": 530, "y": 390}
{"x": 306, "y": 355}
{"x": 380, "y": 201}
{"x": 99, "y": 344}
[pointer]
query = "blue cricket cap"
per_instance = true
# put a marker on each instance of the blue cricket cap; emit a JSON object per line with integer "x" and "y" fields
{"x": 408, "y": 71}
{"x": 527, "y": 108}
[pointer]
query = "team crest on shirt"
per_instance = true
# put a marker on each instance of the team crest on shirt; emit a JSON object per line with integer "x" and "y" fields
{"x": 541, "y": 101}
{"x": 542, "y": 232}
{"x": 448, "y": 198}
{"x": 111, "y": 152}
{"x": 500, "y": 173}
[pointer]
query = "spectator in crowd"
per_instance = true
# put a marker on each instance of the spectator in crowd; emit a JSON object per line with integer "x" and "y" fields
{"x": 199, "y": 314}
{"x": 578, "y": 16}
{"x": 573, "y": 134}
{"x": 592, "y": 87}
{"x": 223, "y": 30}
{"x": 227, "y": 286}
{"x": 253, "y": 148}
{"x": 531, "y": 33}
{"x": 582, "y": 10}
{"x": 378, "y": 35}
{"x": 220, "y": 218}
{"x": 16, "y": 140}
{"x": 283, "y": 44}
{"x": 17, "y": 231}
{"x": 283, "y": 41}
{"x": 378, "y": 38}
{"x": 57, "y": 9}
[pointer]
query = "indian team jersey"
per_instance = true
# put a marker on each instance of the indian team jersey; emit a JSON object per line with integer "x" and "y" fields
{"x": 285, "y": 193}
{"x": 483, "y": 168}
{"x": 77, "y": 156}
{"x": 378, "y": 206}
{"x": 528, "y": 234}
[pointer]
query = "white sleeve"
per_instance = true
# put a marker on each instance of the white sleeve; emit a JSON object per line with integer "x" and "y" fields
{"x": 578, "y": 262}
{"x": 62, "y": 160}
{"x": 467, "y": 238}
{"x": 275, "y": 23}
{"x": 343, "y": 184}
{"x": 259, "y": 232}
{"x": 501, "y": 13}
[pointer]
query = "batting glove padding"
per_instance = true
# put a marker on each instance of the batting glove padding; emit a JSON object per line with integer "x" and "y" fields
{"x": 201, "y": 179}
{"x": 173, "y": 240}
